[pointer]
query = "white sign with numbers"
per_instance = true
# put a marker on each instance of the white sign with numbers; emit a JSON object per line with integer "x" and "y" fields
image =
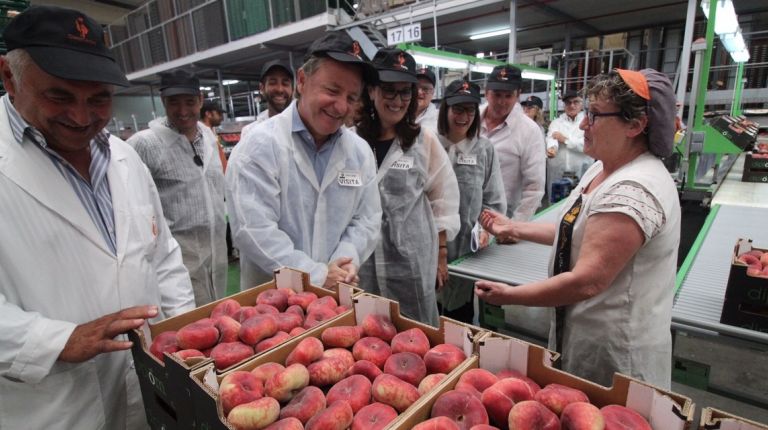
{"x": 406, "y": 33}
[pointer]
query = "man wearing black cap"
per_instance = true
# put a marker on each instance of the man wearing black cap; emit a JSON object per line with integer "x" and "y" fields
{"x": 518, "y": 142}
{"x": 276, "y": 88}
{"x": 426, "y": 112}
{"x": 565, "y": 141}
{"x": 86, "y": 253}
{"x": 301, "y": 188}
{"x": 183, "y": 157}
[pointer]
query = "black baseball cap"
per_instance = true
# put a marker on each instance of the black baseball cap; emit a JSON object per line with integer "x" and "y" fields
{"x": 64, "y": 43}
{"x": 178, "y": 82}
{"x": 427, "y": 74}
{"x": 340, "y": 47}
{"x": 461, "y": 91}
{"x": 395, "y": 65}
{"x": 272, "y": 65}
{"x": 570, "y": 94}
{"x": 504, "y": 78}
{"x": 533, "y": 101}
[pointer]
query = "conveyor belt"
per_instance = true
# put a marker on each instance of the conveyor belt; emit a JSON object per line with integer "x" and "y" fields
{"x": 700, "y": 301}
{"x": 736, "y": 193}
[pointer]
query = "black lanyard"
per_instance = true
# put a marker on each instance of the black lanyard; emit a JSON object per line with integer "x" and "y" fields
{"x": 563, "y": 263}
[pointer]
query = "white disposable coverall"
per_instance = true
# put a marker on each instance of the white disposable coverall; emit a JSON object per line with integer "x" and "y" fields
{"x": 626, "y": 328}
{"x": 428, "y": 118}
{"x": 570, "y": 156}
{"x": 57, "y": 272}
{"x": 193, "y": 202}
{"x": 281, "y": 215}
{"x": 518, "y": 142}
{"x": 419, "y": 197}
{"x": 480, "y": 186}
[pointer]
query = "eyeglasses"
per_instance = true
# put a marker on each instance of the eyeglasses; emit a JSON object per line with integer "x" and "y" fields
{"x": 460, "y": 110}
{"x": 390, "y": 93}
{"x": 573, "y": 102}
{"x": 591, "y": 116}
{"x": 425, "y": 89}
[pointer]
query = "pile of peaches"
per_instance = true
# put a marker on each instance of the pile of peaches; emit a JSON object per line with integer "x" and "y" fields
{"x": 756, "y": 261}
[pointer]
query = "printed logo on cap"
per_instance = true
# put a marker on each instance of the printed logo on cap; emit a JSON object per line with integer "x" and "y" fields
{"x": 82, "y": 31}
{"x": 401, "y": 62}
{"x": 355, "y": 52}
{"x": 423, "y": 71}
{"x": 465, "y": 88}
{"x": 503, "y": 75}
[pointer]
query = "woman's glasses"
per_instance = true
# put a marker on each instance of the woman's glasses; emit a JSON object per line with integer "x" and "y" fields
{"x": 591, "y": 116}
{"x": 460, "y": 110}
{"x": 390, "y": 93}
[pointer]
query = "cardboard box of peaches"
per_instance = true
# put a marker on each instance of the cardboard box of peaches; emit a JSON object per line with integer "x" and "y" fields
{"x": 715, "y": 419}
{"x": 363, "y": 370}
{"x": 223, "y": 334}
{"x": 746, "y": 295}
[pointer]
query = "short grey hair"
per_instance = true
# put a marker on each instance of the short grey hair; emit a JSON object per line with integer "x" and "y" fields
{"x": 19, "y": 61}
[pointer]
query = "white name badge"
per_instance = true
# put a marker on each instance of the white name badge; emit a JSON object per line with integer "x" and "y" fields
{"x": 404, "y": 163}
{"x": 350, "y": 179}
{"x": 469, "y": 160}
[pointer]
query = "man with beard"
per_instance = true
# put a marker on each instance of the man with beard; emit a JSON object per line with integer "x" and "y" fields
{"x": 276, "y": 87}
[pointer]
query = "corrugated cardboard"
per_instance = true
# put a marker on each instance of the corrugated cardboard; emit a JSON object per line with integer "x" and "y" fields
{"x": 714, "y": 419}
{"x": 205, "y": 393}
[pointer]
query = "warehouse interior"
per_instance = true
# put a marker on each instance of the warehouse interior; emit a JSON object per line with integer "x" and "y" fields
{"x": 226, "y": 42}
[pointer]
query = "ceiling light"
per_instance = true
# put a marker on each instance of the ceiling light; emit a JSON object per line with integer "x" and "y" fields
{"x": 438, "y": 61}
{"x": 490, "y": 34}
{"x": 726, "y": 20}
{"x": 481, "y": 68}
{"x": 205, "y": 88}
{"x": 480, "y": 55}
{"x": 229, "y": 81}
{"x": 543, "y": 76}
{"x": 740, "y": 56}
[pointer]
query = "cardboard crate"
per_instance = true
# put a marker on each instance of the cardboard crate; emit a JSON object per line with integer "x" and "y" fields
{"x": 746, "y": 296}
{"x": 714, "y": 419}
{"x": 754, "y": 176}
{"x": 165, "y": 385}
{"x": 205, "y": 394}
{"x": 756, "y": 163}
{"x": 663, "y": 409}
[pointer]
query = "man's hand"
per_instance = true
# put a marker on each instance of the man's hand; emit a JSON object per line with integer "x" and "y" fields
{"x": 352, "y": 278}
{"x": 560, "y": 137}
{"x": 442, "y": 267}
{"x": 98, "y": 336}
{"x": 551, "y": 152}
{"x": 337, "y": 273}
{"x": 491, "y": 292}
{"x": 484, "y": 238}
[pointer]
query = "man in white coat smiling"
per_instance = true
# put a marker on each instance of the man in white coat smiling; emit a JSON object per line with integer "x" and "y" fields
{"x": 85, "y": 254}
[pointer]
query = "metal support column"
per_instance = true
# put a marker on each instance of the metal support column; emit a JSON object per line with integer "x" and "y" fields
{"x": 685, "y": 58}
{"x": 512, "y": 52}
{"x": 736, "y": 106}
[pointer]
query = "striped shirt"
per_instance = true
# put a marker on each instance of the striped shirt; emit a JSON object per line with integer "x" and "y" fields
{"x": 96, "y": 196}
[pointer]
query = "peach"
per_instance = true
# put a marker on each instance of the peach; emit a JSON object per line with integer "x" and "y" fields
{"x": 342, "y": 354}
{"x": 375, "y": 416}
{"x": 257, "y": 328}
{"x": 365, "y": 368}
{"x": 412, "y": 340}
{"x": 748, "y": 259}
{"x": 756, "y": 252}
{"x": 228, "y": 307}
{"x": 302, "y": 299}
{"x": 532, "y": 415}
{"x": 355, "y": 389}
{"x": 443, "y": 358}
{"x": 289, "y": 423}
{"x": 499, "y": 398}
{"x": 327, "y": 371}
{"x": 197, "y": 335}
{"x": 327, "y": 302}
{"x": 228, "y": 353}
{"x": 297, "y": 331}
{"x": 461, "y": 407}
{"x": 475, "y": 381}
{"x": 379, "y": 326}
{"x": 395, "y": 392}
{"x": 295, "y": 309}
{"x": 306, "y": 352}
{"x": 556, "y": 397}
{"x": 185, "y": 354}
{"x": 263, "y": 308}
{"x": 764, "y": 273}
{"x": 581, "y": 416}
{"x": 239, "y": 387}
{"x": 430, "y": 382}
{"x": 755, "y": 269}
{"x": 228, "y": 327}
{"x": 372, "y": 349}
{"x": 285, "y": 384}
{"x": 305, "y": 404}
{"x": 483, "y": 427}
{"x": 273, "y": 341}
{"x": 287, "y": 321}
{"x": 245, "y": 313}
{"x": 764, "y": 259}
{"x": 337, "y": 416}
{"x": 619, "y": 417}
{"x": 257, "y": 414}
{"x": 317, "y": 316}
{"x": 164, "y": 342}
{"x": 340, "y": 309}
{"x": 407, "y": 366}
{"x": 437, "y": 423}
{"x": 274, "y": 297}
{"x": 341, "y": 336}
{"x": 508, "y": 373}
{"x": 267, "y": 370}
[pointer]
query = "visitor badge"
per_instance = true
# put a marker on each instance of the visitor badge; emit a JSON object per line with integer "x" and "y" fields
{"x": 350, "y": 179}
{"x": 404, "y": 163}
{"x": 469, "y": 160}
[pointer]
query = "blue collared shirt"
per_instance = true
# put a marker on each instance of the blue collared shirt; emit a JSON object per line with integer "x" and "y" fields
{"x": 318, "y": 156}
{"x": 96, "y": 196}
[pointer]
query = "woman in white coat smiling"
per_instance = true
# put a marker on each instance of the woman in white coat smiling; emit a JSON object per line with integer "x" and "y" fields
{"x": 419, "y": 193}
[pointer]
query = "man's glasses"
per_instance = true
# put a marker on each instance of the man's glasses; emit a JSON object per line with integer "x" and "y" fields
{"x": 460, "y": 110}
{"x": 591, "y": 116}
{"x": 425, "y": 89}
{"x": 572, "y": 102}
{"x": 390, "y": 93}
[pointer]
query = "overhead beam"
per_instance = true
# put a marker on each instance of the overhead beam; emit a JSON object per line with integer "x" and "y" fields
{"x": 549, "y": 10}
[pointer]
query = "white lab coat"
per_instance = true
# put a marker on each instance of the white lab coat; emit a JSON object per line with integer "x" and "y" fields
{"x": 519, "y": 142}
{"x": 248, "y": 128}
{"x": 281, "y": 215}
{"x": 57, "y": 272}
{"x": 626, "y": 328}
{"x": 428, "y": 118}
{"x": 570, "y": 155}
{"x": 419, "y": 197}
{"x": 193, "y": 202}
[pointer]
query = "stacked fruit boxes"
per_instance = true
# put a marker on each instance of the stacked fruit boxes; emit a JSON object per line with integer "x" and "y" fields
{"x": 756, "y": 163}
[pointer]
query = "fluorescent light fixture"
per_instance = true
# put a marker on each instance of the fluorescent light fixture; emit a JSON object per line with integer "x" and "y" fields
{"x": 481, "y": 68}
{"x": 490, "y": 34}
{"x": 438, "y": 61}
{"x": 205, "y": 88}
{"x": 740, "y": 56}
{"x": 733, "y": 42}
{"x": 726, "y": 20}
{"x": 480, "y": 55}
{"x": 229, "y": 81}
{"x": 530, "y": 74}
